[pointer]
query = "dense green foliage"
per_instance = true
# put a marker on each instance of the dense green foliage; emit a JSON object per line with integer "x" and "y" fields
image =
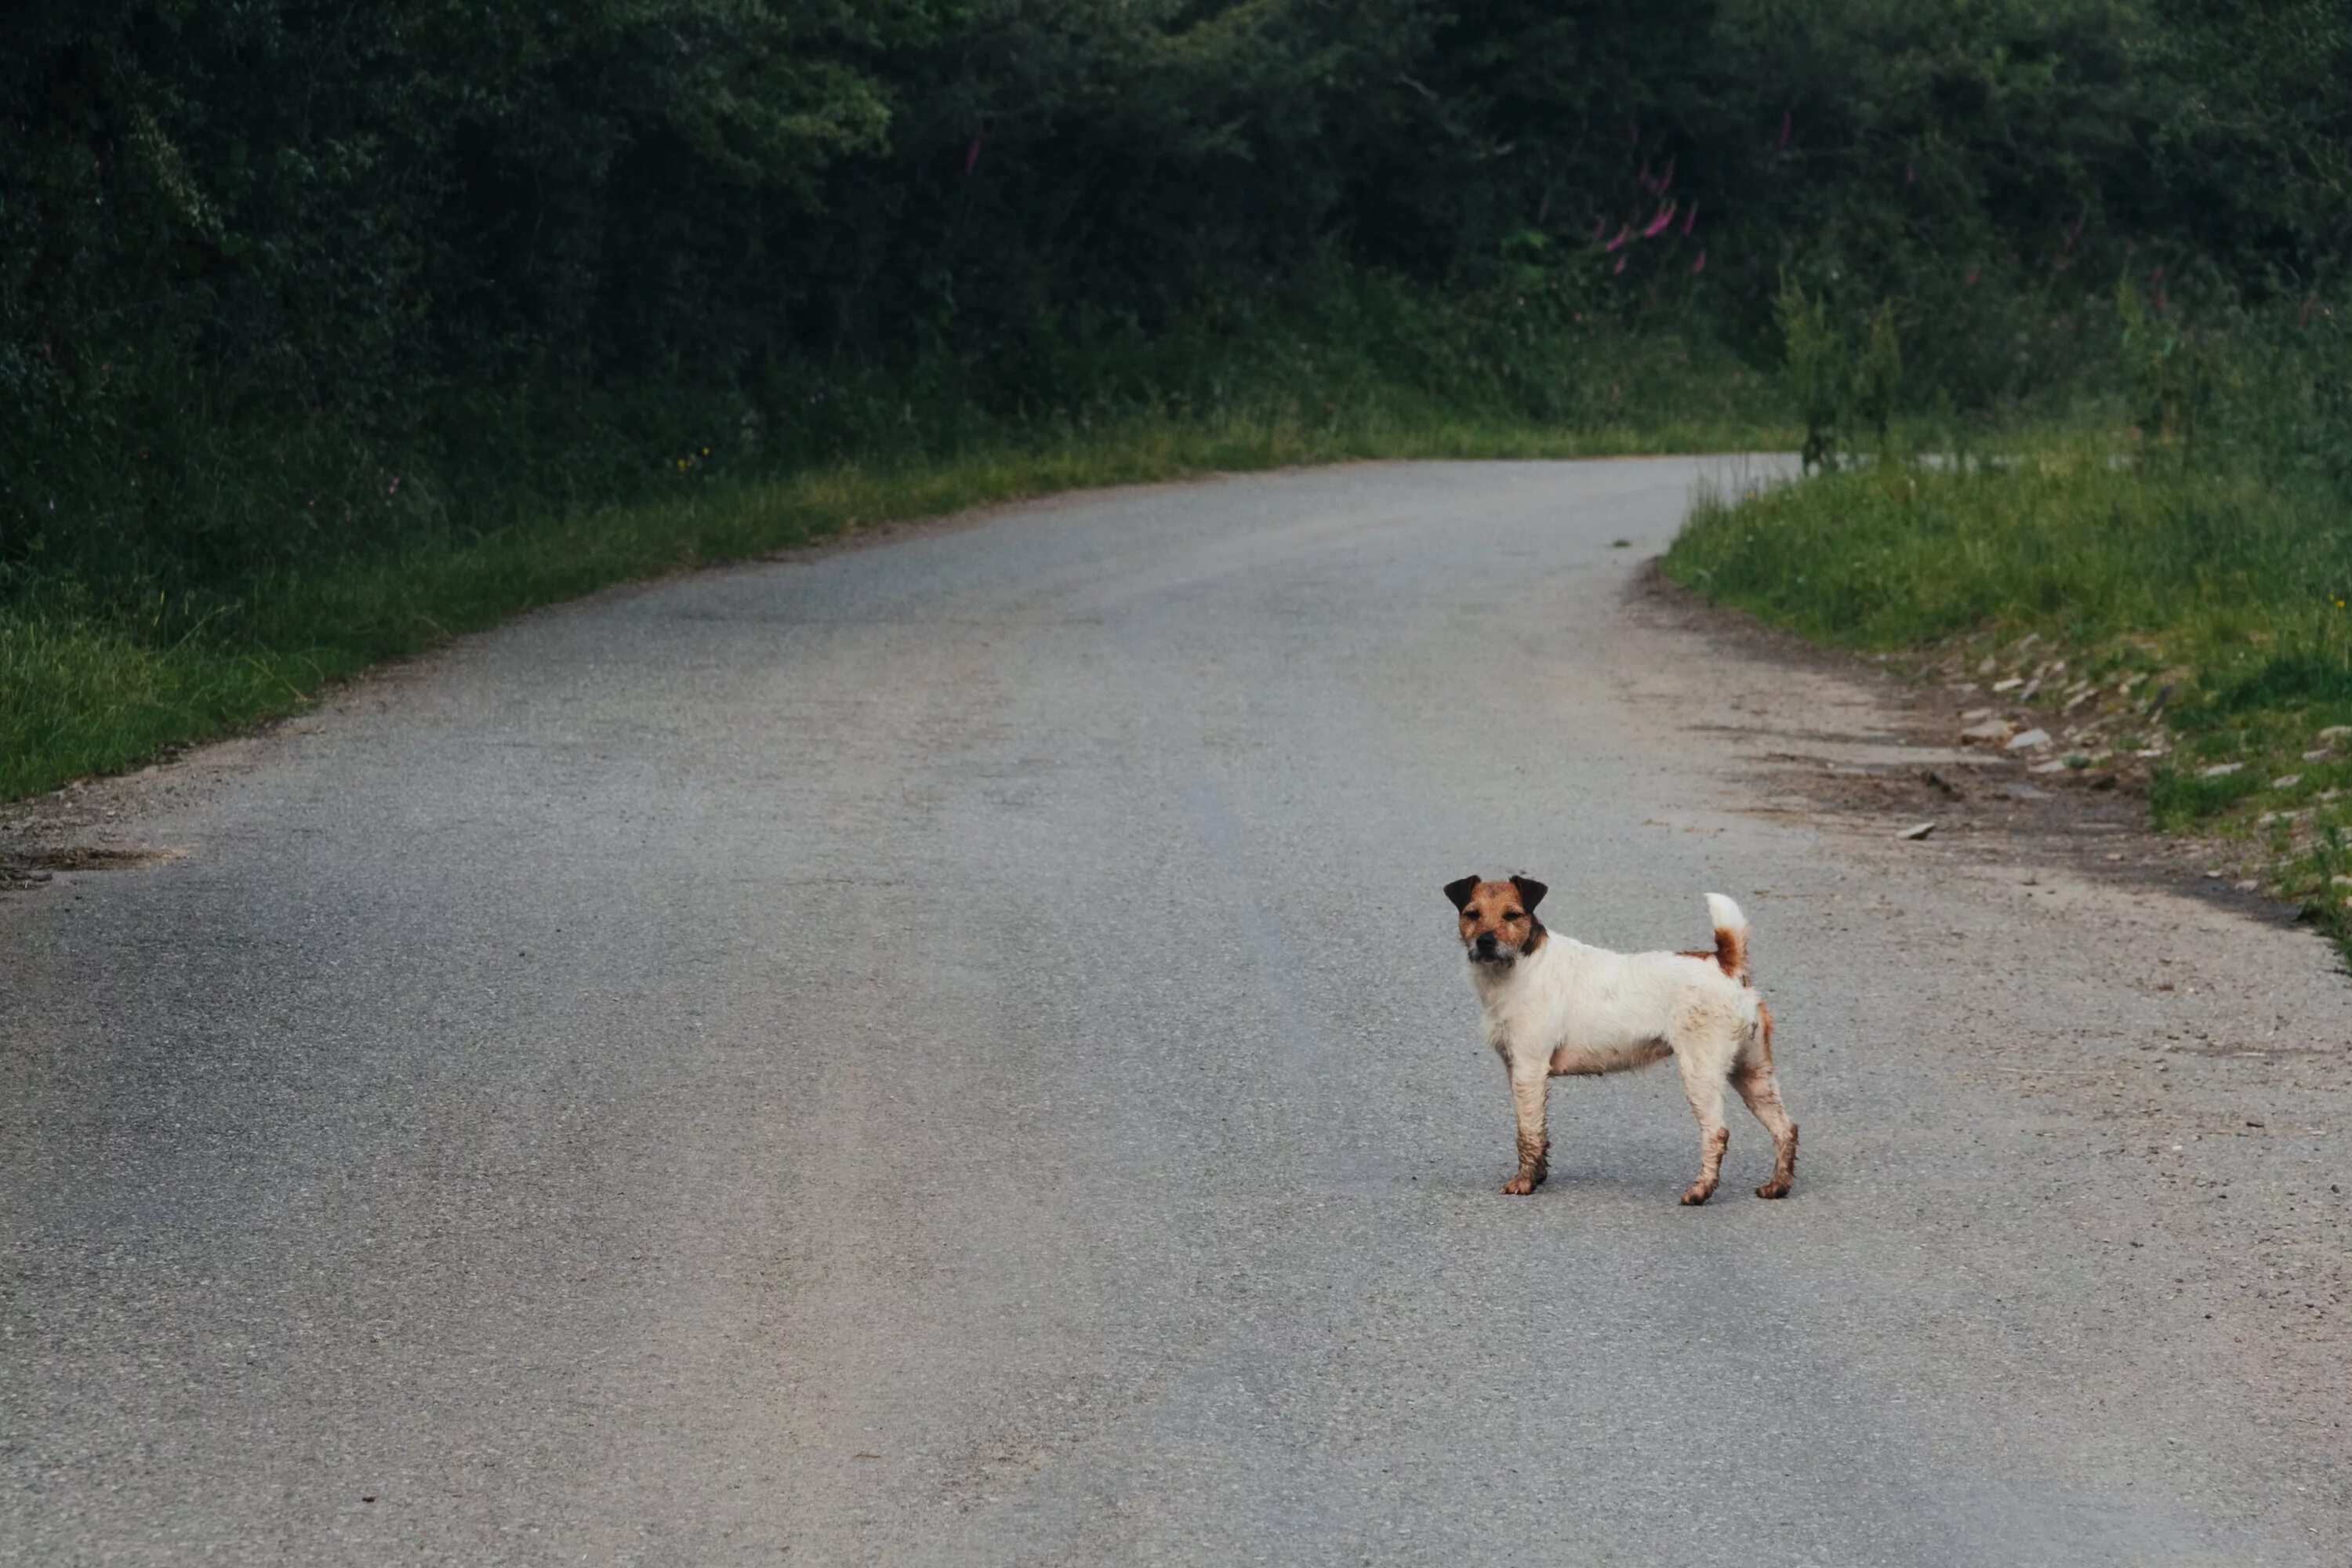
{"x": 295, "y": 297}
{"x": 2188, "y": 577}
{"x": 281, "y": 282}
{"x": 2236, "y": 570}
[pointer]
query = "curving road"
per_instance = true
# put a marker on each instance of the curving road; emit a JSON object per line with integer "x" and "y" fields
{"x": 951, "y": 1051}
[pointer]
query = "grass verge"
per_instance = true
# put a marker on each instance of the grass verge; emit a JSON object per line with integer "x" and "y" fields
{"x": 2190, "y": 624}
{"x": 83, "y": 692}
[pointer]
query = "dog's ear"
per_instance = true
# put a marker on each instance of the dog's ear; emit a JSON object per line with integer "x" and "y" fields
{"x": 1460, "y": 891}
{"x": 1531, "y": 891}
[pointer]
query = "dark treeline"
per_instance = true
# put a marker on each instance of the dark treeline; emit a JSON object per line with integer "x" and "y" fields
{"x": 260, "y": 258}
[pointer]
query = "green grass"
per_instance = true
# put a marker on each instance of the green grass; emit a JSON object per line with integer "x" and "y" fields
{"x": 85, "y": 691}
{"x": 2224, "y": 585}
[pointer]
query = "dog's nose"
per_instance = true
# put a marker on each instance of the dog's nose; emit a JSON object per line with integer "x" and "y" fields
{"x": 1485, "y": 943}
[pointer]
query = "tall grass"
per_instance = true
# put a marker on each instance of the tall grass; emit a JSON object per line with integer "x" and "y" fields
{"x": 2225, "y": 580}
{"x": 2239, "y": 572}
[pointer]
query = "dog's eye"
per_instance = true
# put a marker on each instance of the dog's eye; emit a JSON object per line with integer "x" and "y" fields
{"x": 1516, "y": 915}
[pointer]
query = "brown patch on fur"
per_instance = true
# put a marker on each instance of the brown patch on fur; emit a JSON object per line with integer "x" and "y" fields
{"x": 1710, "y": 1166}
{"x": 1504, "y": 910}
{"x": 1568, "y": 1061}
{"x": 1751, "y": 1075}
{"x": 1784, "y": 1169}
{"x": 1527, "y": 1103}
{"x": 1731, "y": 952}
{"x": 1531, "y": 1174}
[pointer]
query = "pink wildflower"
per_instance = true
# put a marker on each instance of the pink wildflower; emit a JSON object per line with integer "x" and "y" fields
{"x": 1657, "y": 224}
{"x": 1700, "y": 265}
{"x": 1620, "y": 265}
{"x": 972, "y": 155}
{"x": 1622, "y": 235}
{"x": 1692, "y": 219}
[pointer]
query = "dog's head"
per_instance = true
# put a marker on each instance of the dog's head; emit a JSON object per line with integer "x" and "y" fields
{"x": 1498, "y": 919}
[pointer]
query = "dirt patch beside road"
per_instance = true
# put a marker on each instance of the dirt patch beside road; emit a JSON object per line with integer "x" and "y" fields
{"x": 2211, "y": 1140}
{"x": 1900, "y": 763}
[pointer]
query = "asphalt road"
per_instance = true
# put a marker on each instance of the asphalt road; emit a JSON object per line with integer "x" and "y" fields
{"x": 951, "y": 1050}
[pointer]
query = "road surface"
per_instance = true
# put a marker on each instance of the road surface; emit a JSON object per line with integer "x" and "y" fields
{"x": 950, "y": 1050}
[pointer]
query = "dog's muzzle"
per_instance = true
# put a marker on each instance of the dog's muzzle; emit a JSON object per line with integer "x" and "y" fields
{"x": 1485, "y": 948}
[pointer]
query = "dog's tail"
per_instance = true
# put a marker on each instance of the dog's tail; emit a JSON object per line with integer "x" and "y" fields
{"x": 1730, "y": 936}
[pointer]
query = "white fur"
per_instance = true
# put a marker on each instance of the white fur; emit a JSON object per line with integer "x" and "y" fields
{"x": 1571, "y": 1009}
{"x": 1725, "y": 914}
{"x": 1611, "y": 1011}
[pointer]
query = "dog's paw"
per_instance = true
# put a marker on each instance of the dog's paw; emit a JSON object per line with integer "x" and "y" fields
{"x": 1698, "y": 1193}
{"x": 1520, "y": 1186}
{"x": 1773, "y": 1190}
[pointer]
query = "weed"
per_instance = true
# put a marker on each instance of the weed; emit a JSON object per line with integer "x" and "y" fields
{"x": 2223, "y": 580}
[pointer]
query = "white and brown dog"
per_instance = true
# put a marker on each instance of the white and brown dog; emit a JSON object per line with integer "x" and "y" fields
{"x": 1556, "y": 1008}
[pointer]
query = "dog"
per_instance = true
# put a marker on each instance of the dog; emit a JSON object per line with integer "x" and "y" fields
{"x": 1556, "y": 1008}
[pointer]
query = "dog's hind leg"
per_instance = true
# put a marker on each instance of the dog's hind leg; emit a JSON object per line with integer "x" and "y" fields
{"x": 1703, "y": 1084}
{"x": 1751, "y": 1075}
{"x": 1528, "y": 1089}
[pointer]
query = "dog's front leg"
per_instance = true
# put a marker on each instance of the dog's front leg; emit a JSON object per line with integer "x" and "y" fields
{"x": 1528, "y": 1086}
